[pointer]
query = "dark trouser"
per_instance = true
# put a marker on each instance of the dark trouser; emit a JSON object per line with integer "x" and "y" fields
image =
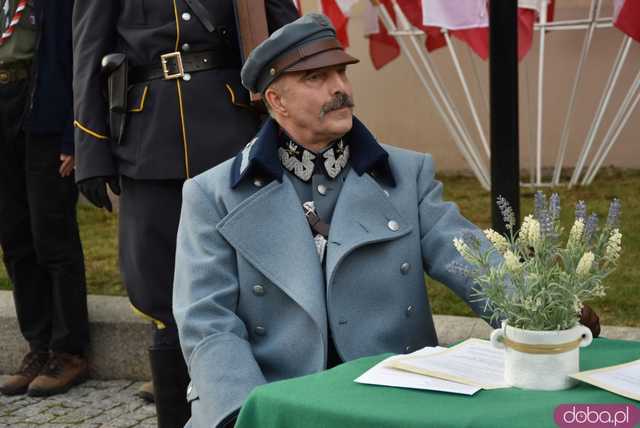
{"x": 39, "y": 234}
{"x": 149, "y": 217}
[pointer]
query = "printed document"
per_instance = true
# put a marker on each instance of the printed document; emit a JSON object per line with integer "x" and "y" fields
{"x": 473, "y": 362}
{"x": 622, "y": 379}
{"x": 381, "y": 374}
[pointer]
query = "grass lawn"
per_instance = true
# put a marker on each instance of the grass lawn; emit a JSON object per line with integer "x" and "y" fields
{"x": 620, "y": 307}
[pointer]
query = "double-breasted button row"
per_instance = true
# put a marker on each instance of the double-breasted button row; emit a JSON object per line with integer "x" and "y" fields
{"x": 409, "y": 311}
{"x": 405, "y": 268}
{"x": 393, "y": 225}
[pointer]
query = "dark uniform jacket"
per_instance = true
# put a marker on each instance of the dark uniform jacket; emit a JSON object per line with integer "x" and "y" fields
{"x": 52, "y": 103}
{"x": 175, "y": 128}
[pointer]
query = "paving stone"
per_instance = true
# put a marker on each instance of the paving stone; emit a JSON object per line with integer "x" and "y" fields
{"x": 94, "y": 404}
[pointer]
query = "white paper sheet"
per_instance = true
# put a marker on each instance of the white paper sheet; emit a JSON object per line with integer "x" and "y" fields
{"x": 622, "y": 379}
{"x": 473, "y": 362}
{"x": 381, "y": 374}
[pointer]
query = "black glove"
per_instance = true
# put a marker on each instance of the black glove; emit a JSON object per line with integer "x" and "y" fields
{"x": 590, "y": 319}
{"x": 95, "y": 190}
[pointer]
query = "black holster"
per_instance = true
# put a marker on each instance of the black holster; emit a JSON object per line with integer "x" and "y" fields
{"x": 115, "y": 67}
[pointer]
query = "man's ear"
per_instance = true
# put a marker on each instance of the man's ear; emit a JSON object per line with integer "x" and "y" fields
{"x": 274, "y": 98}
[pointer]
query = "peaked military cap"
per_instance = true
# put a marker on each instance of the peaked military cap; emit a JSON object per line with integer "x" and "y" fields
{"x": 307, "y": 43}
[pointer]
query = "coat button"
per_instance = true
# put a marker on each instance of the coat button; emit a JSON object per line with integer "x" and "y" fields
{"x": 409, "y": 311}
{"x": 260, "y": 330}
{"x": 186, "y": 47}
{"x": 407, "y": 348}
{"x": 386, "y": 193}
{"x": 186, "y": 16}
{"x": 342, "y": 321}
{"x": 186, "y": 77}
{"x": 257, "y": 182}
{"x": 393, "y": 225}
{"x": 405, "y": 268}
{"x": 258, "y": 290}
{"x": 322, "y": 189}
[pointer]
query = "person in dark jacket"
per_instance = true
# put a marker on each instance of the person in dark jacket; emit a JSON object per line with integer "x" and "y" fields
{"x": 165, "y": 126}
{"x": 38, "y": 226}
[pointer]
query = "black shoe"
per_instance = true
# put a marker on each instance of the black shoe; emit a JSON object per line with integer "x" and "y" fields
{"x": 170, "y": 380}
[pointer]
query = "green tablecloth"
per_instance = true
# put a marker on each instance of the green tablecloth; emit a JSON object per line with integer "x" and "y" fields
{"x": 332, "y": 399}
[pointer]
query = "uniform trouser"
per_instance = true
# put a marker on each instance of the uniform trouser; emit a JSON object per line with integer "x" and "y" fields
{"x": 149, "y": 217}
{"x": 39, "y": 234}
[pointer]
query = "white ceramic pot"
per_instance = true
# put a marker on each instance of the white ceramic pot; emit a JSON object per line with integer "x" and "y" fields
{"x": 541, "y": 359}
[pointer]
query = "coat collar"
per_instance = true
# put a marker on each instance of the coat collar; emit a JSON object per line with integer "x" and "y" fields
{"x": 260, "y": 157}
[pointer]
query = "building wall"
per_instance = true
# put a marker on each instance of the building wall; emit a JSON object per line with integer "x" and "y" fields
{"x": 394, "y": 104}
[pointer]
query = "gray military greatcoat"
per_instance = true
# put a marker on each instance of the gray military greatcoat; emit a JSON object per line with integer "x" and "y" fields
{"x": 252, "y": 302}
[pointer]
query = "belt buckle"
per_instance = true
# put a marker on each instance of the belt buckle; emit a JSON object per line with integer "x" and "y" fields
{"x": 177, "y": 57}
{"x": 4, "y": 77}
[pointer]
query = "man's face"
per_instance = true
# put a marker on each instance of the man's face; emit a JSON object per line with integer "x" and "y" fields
{"x": 319, "y": 102}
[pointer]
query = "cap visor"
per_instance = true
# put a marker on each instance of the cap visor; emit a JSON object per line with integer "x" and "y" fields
{"x": 323, "y": 59}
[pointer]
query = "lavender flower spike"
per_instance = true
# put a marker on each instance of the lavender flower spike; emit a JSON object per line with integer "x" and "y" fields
{"x": 614, "y": 213}
{"x": 590, "y": 227}
{"x": 581, "y": 210}
{"x": 554, "y": 206}
{"x": 507, "y": 212}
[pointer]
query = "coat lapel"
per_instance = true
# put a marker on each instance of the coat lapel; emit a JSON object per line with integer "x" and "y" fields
{"x": 270, "y": 230}
{"x": 363, "y": 215}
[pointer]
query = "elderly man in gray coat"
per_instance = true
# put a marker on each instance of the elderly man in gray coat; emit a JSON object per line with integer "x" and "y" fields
{"x": 309, "y": 248}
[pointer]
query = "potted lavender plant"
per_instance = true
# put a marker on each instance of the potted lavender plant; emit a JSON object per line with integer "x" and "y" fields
{"x": 548, "y": 279}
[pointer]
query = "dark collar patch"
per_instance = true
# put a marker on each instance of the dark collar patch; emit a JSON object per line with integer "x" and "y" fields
{"x": 261, "y": 157}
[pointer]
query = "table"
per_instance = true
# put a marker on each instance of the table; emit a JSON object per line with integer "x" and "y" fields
{"x": 332, "y": 399}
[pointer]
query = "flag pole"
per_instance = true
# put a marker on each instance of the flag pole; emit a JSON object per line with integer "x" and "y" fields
{"x": 604, "y": 102}
{"x": 457, "y": 120}
{"x": 388, "y": 22}
{"x": 594, "y": 12}
{"x": 465, "y": 87}
{"x": 503, "y": 76}
{"x": 614, "y": 131}
{"x": 543, "y": 22}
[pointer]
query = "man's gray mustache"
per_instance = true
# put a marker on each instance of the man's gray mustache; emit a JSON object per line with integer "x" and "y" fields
{"x": 341, "y": 100}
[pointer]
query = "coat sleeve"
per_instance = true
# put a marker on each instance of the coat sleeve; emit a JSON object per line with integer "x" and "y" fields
{"x": 440, "y": 222}
{"x": 214, "y": 339}
{"x": 94, "y": 35}
{"x": 279, "y": 13}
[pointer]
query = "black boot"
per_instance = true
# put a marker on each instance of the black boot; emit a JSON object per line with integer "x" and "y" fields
{"x": 170, "y": 380}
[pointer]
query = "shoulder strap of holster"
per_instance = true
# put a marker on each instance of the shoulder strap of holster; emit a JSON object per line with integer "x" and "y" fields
{"x": 202, "y": 13}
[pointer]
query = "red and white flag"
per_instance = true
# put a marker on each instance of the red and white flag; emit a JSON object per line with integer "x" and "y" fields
{"x": 383, "y": 47}
{"x": 338, "y": 12}
{"x": 626, "y": 17}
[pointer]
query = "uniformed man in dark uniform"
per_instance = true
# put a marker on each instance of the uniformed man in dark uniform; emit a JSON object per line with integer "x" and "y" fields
{"x": 182, "y": 111}
{"x": 38, "y": 226}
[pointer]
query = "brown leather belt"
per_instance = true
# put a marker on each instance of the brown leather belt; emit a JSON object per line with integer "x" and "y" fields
{"x": 14, "y": 72}
{"x": 174, "y": 65}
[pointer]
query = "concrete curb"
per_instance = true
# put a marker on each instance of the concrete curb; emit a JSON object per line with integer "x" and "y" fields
{"x": 119, "y": 339}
